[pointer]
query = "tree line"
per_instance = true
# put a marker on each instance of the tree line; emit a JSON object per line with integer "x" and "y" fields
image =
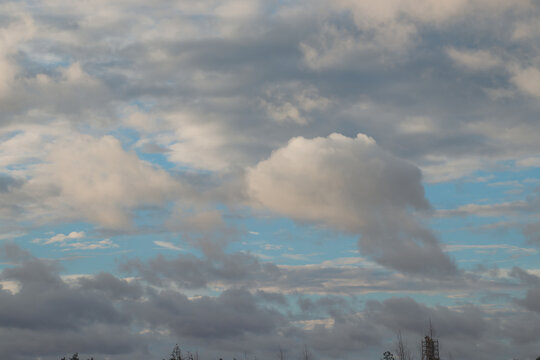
{"x": 402, "y": 352}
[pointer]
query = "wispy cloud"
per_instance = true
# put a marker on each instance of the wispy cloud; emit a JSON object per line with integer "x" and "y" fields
{"x": 168, "y": 245}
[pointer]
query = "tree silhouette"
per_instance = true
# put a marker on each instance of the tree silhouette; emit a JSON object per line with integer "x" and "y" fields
{"x": 403, "y": 352}
{"x": 306, "y": 355}
{"x": 176, "y": 354}
{"x": 75, "y": 357}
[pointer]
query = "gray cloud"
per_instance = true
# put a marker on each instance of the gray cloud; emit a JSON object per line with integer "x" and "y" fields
{"x": 47, "y": 317}
{"x": 108, "y": 316}
{"x": 355, "y": 186}
{"x": 212, "y": 88}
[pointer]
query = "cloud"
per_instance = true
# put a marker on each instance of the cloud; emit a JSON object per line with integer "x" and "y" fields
{"x": 83, "y": 177}
{"x": 526, "y": 29}
{"x": 90, "y": 245}
{"x": 473, "y": 59}
{"x": 353, "y": 185}
{"x": 60, "y": 238}
{"x": 191, "y": 272}
{"x": 292, "y": 102}
{"x": 489, "y": 210}
{"x": 527, "y": 80}
{"x": 208, "y": 88}
{"x": 20, "y": 30}
{"x": 168, "y": 245}
{"x": 7, "y": 183}
{"x": 532, "y": 162}
{"x": 336, "y": 48}
{"x": 65, "y": 319}
{"x": 110, "y": 182}
{"x": 103, "y": 314}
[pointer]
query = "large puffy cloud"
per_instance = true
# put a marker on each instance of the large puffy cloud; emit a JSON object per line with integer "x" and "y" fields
{"x": 80, "y": 177}
{"x": 336, "y": 180}
{"x": 100, "y": 180}
{"x": 353, "y": 185}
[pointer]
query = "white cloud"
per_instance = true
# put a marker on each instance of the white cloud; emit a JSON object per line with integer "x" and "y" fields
{"x": 505, "y": 247}
{"x": 474, "y": 59}
{"x": 272, "y": 247}
{"x": 61, "y": 238}
{"x": 527, "y": 30}
{"x": 352, "y": 185}
{"x": 73, "y": 241}
{"x": 528, "y": 162}
{"x": 76, "y": 176}
{"x": 337, "y": 180}
{"x": 527, "y": 80}
{"x": 90, "y": 245}
{"x": 440, "y": 168}
{"x": 486, "y": 210}
{"x": 168, "y": 245}
{"x": 99, "y": 180}
{"x": 194, "y": 139}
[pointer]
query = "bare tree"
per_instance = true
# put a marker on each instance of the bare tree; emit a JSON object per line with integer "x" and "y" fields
{"x": 281, "y": 354}
{"x": 306, "y": 355}
{"x": 176, "y": 354}
{"x": 402, "y": 350}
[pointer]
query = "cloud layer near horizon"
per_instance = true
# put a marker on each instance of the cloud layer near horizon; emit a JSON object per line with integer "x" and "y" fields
{"x": 103, "y": 314}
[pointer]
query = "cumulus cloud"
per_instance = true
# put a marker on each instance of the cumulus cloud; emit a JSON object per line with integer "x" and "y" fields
{"x": 98, "y": 179}
{"x": 82, "y": 177}
{"x": 353, "y": 185}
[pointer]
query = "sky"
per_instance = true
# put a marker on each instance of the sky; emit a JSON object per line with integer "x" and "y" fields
{"x": 245, "y": 176}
